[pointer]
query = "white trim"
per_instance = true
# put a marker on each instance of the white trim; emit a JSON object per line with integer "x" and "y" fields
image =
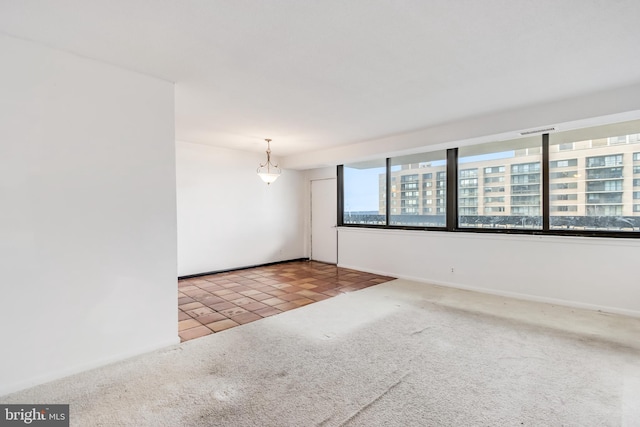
{"x": 311, "y": 181}
{"x": 62, "y": 373}
{"x": 515, "y": 295}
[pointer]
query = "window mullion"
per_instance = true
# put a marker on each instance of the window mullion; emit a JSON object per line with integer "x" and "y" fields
{"x": 545, "y": 182}
{"x": 452, "y": 189}
{"x": 387, "y": 205}
{"x": 340, "y": 176}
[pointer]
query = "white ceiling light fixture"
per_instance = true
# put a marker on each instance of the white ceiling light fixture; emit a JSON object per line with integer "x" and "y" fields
{"x": 268, "y": 171}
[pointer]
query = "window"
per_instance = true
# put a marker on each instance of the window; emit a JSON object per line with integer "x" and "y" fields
{"x": 592, "y": 186}
{"x": 618, "y": 140}
{"x": 560, "y": 208}
{"x": 493, "y": 209}
{"x": 525, "y": 200}
{"x": 604, "y": 161}
{"x": 492, "y": 179}
{"x": 604, "y": 173}
{"x": 468, "y": 192}
{"x": 604, "y": 198}
{"x": 527, "y": 211}
{"x": 468, "y": 173}
{"x": 526, "y": 179}
{"x": 494, "y": 169}
{"x": 469, "y": 182}
{"x": 555, "y": 197}
{"x": 561, "y": 175}
{"x": 563, "y": 186}
{"x": 604, "y": 210}
{"x": 563, "y": 163}
{"x": 409, "y": 186}
{"x": 468, "y": 201}
{"x": 524, "y": 168}
{"x": 365, "y": 186}
{"x": 494, "y": 189}
{"x": 520, "y": 162}
{"x": 601, "y": 192}
{"x": 604, "y": 185}
{"x": 409, "y": 178}
{"x": 467, "y": 211}
{"x": 525, "y": 189}
{"x": 494, "y": 200}
{"x": 416, "y": 205}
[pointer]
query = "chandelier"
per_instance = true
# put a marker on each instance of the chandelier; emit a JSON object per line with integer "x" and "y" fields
{"x": 268, "y": 171}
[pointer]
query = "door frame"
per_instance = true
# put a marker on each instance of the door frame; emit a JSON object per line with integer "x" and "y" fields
{"x": 311, "y": 217}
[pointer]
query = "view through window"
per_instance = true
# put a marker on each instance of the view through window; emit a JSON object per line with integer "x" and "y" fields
{"x": 418, "y": 193}
{"x": 593, "y": 179}
{"x": 365, "y": 193}
{"x": 500, "y": 185}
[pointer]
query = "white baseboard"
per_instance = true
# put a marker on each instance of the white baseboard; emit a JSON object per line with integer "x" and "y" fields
{"x": 55, "y": 375}
{"x": 515, "y": 295}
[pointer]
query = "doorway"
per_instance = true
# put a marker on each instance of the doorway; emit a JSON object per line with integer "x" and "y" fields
{"x": 324, "y": 231}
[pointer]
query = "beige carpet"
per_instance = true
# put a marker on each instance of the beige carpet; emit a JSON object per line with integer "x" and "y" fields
{"x": 396, "y": 354}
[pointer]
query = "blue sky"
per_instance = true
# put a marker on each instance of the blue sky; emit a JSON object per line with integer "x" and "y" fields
{"x": 361, "y": 189}
{"x": 361, "y": 185}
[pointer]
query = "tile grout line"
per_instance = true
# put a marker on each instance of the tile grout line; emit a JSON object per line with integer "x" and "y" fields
{"x": 283, "y": 276}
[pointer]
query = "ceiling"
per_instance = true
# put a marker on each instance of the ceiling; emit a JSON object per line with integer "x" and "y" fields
{"x": 318, "y": 74}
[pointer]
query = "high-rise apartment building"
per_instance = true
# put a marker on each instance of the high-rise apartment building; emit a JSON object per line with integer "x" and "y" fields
{"x": 588, "y": 178}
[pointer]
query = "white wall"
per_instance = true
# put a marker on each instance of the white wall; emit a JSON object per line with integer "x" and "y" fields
{"x": 228, "y": 218}
{"x": 87, "y": 218}
{"x": 607, "y": 106}
{"x": 579, "y": 271}
{"x": 596, "y": 273}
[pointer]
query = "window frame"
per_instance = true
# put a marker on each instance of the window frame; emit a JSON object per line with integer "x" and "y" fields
{"x": 452, "y": 214}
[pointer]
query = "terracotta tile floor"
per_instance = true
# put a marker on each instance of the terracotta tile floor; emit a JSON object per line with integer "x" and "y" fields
{"x": 213, "y": 303}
